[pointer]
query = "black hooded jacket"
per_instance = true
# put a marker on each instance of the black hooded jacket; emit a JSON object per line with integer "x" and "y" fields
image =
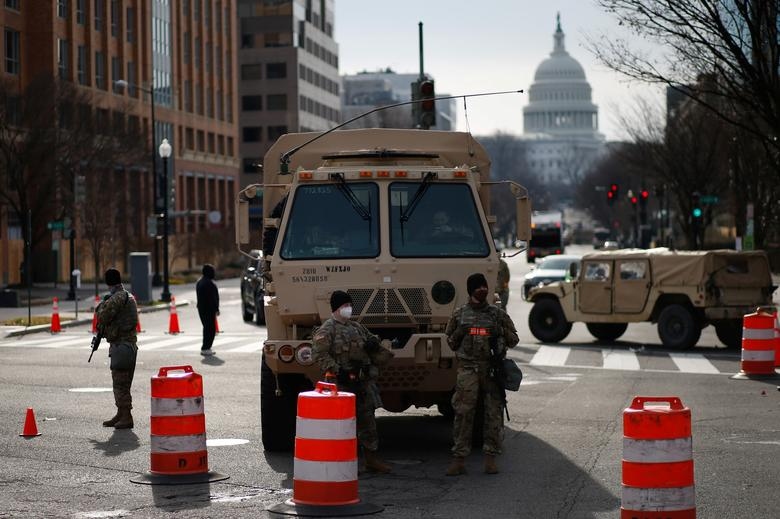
{"x": 206, "y": 290}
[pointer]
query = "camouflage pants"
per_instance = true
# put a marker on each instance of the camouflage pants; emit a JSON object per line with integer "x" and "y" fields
{"x": 473, "y": 383}
{"x": 121, "y": 380}
{"x": 366, "y": 421}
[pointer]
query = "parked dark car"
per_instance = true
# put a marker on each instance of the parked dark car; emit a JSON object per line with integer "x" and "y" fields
{"x": 253, "y": 289}
{"x": 548, "y": 270}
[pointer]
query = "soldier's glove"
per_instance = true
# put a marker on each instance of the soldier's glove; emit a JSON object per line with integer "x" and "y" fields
{"x": 372, "y": 345}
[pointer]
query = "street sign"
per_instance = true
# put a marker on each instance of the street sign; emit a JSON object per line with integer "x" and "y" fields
{"x": 55, "y": 225}
{"x": 709, "y": 199}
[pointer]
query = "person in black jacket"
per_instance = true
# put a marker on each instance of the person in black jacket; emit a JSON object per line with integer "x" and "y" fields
{"x": 208, "y": 307}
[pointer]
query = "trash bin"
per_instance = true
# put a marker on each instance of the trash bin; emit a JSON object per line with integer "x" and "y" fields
{"x": 141, "y": 276}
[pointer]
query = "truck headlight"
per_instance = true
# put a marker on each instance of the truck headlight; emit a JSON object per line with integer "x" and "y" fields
{"x": 304, "y": 355}
{"x": 286, "y": 353}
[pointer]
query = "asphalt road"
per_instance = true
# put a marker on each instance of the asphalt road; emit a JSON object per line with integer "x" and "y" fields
{"x": 563, "y": 445}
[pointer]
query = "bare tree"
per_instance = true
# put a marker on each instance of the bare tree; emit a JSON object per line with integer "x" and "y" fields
{"x": 730, "y": 50}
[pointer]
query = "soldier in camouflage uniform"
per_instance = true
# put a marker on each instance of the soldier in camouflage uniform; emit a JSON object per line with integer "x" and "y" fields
{"x": 117, "y": 319}
{"x": 502, "y": 284}
{"x": 347, "y": 352}
{"x": 470, "y": 331}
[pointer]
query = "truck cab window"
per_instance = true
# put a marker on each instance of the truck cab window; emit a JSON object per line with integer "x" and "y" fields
{"x": 444, "y": 223}
{"x": 324, "y": 224}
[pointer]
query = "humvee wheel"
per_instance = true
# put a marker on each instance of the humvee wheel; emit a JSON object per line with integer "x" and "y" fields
{"x": 246, "y": 313}
{"x": 677, "y": 327}
{"x": 607, "y": 332}
{"x": 547, "y": 322}
{"x": 277, "y": 413}
{"x": 729, "y": 332}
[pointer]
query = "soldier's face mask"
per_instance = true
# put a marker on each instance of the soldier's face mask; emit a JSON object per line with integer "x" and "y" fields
{"x": 480, "y": 294}
{"x": 345, "y": 312}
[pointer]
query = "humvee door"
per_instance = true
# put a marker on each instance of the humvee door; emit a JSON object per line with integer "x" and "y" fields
{"x": 596, "y": 287}
{"x": 614, "y": 286}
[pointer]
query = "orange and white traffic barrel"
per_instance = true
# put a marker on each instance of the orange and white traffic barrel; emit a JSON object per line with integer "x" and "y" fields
{"x": 758, "y": 345}
{"x": 777, "y": 338}
{"x": 325, "y": 468}
{"x": 178, "y": 429}
{"x": 657, "y": 460}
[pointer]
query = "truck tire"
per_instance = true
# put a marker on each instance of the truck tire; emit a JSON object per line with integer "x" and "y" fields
{"x": 547, "y": 322}
{"x": 278, "y": 413}
{"x": 678, "y": 328}
{"x": 607, "y": 332}
{"x": 729, "y": 332}
{"x": 247, "y": 315}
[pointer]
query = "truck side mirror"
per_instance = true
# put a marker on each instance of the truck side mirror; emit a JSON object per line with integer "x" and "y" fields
{"x": 242, "y": 212}
{"x": 573, "y": 270}
{"x": 523, "y": 218}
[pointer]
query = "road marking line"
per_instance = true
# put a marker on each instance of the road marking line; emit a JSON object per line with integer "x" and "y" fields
{"x": 619, "y": 359}
{"x": 550, "y": 356}
{"x": 195, "y": 345}
{"x": 147, "y": 346}
{"x": 248, "y": 348}
{"x": 693, "y": 363}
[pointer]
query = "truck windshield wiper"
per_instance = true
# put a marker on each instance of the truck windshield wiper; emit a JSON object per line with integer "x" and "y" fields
{"x": 426, "y": 183}
{"x": 353, "y": 200}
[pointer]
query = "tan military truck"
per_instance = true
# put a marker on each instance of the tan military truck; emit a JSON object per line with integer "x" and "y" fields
{"x": 396, "y": 218}
{"x": 681, "y": 291}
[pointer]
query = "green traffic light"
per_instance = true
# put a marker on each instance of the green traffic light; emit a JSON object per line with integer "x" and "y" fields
{"x": 697, "y": 212}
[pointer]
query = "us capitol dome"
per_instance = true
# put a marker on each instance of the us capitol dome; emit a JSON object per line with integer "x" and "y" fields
{"x": 560, "y": 121}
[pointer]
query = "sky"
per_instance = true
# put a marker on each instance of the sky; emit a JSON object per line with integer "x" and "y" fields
{"x": 486, "y": 46}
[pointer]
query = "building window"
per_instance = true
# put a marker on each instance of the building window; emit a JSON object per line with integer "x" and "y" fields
{"x": 80, "y": 17}
{"x": 201, "y": 141}
{"x": 207, "y": 16}
{"x": 220, "y": 113}
{"x": 211, "y": 143}
{"x": 114, "y": 18}
{"x": 251, "y": 72}
{"x": 277, "y": 101}
{"x": 276, "y": 70}
{"x": 187, "y": 47}
{"x": 131, "y": 78}
{"x": 209, "y": 103}
{"x": 62, "y": 8}
{"x": 188, "y": 95}
{"x": 100, "y": 72}
{"x": 199, "y": 99}
{"x": 116, "y": 73}
{"x": 130, "y": 23}
{"x": 252, "y": 133}
{"x": 196, "y": 10}
{"x": 274, "y": 132}
{"x": 229, "y": 113}
{"x": 98, "y": 15}
{"x": 12, "y": 4}
{"x": 63, "y": 63}
{"x": 251, "y": 103}
{"x": 185, "y": 7}
{"x": 209, "y": 52}
{"x": 198, "y": 52}
{"x": 12, "y": 51}
{"x": 81, "y": 65}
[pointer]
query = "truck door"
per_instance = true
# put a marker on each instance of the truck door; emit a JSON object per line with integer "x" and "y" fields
{"x": 632, "y": 285}
{"x": 596, "y": 287}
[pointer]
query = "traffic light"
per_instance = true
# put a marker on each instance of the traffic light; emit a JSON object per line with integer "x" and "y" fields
{"x": 643, "y": 196}
{"x": 696, "y": 211}
{"x": 427, "y": 117}
{"x": 634, "y": 199}
{"x": 610, "y": 197}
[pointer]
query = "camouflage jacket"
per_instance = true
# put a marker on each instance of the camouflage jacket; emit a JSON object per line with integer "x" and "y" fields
{"x": 471, "y": 328}
{"x": 340, "y": 346}
{"x": 118, "y": 316}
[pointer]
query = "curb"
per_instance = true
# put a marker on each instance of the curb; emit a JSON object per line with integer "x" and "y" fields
{"x": 77, "y": 322}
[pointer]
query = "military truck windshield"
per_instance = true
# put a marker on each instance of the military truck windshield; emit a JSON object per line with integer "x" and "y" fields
{"x": 323, "y": 223}
{"x": 445, "y": 222}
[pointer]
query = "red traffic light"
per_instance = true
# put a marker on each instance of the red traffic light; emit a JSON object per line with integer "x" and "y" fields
{"x": 645, "y": 194}
{"x": 613, "y": 187}
{"x": 610, "y": 194}
{"x": 426, "y": 89}
{"x": 634, "y": 200}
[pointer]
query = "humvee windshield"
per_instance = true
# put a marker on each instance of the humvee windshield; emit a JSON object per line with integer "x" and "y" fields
{"x": 325, "y": 223}
{"x": 443, "y": 223}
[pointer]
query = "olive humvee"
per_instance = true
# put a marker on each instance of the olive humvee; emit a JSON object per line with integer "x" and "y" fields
{"x": 681, "y": 291}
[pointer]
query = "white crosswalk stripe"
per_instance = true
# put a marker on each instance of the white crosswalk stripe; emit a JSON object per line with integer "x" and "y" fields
{"x": 692, "y": 363}
{"x": 245, "y": 343}
{"x": 550, "y": 356}
{"x": 620, "y": 359}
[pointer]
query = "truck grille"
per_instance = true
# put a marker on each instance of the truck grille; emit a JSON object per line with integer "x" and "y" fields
{"x": 391, "y": 306}
{"x": 408, "y": 377}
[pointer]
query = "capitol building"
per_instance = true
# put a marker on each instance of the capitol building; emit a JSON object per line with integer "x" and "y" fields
{"x": 560, "y": 122}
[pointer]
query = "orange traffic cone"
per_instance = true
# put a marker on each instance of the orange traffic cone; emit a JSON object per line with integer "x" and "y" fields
{"x": 94, "y": 315}
{"x": 216, "y": 325}
{"x": 173, "y": 322}
{"x": 55, "y": 317}
{"x": 138, "y": 328}
{"x": 30, "y": 427}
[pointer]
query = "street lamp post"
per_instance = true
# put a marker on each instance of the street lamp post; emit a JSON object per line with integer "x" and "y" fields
{"x": 121, "y": 83}
{"x": 165, "y": 153}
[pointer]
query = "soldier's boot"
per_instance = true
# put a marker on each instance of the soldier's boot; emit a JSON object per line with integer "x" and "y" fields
{"x": 125, "y": 418}
{"x": 375, "y": 464}
{"x": 457, "y": 466}
{"x": 490, "y": 464}
{"x": 112, "y": 422}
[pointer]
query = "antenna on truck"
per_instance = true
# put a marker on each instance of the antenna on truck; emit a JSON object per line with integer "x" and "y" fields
{"x": 284, "y": 161}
